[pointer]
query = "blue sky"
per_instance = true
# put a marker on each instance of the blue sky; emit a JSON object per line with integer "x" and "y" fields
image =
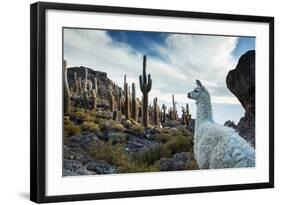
{"x": 141, "y": 42}
{"x": 173, "y": 60}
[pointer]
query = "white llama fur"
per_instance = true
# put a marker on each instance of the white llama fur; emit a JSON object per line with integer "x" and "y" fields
{"x": 217, "y": 146}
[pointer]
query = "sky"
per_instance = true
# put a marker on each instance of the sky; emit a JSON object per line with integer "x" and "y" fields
{"x": 174, "y": 61}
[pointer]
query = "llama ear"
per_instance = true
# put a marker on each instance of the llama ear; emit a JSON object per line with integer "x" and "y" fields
{"x": 199, "y": 84}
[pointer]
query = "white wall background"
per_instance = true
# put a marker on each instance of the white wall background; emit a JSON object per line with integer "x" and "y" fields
{"x": 14, "y": 100}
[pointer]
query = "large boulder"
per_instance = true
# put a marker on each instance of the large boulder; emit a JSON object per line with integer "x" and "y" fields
{"x": 241, "y": 82}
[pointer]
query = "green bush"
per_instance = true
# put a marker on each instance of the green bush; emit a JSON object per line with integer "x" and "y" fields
{"x": 137, "y": 128}
{"x": 109, "y": 124}
{"x": 104, "y": 115}
{"x": 114, "y": 154}
{"x": 90, "y": 126}
{"x": 117, "y": 137}
{"x": 179, "y": 143}
{"x": 151, "y": 155}
{"x": 70, "y": 129}
{"x": 82, "y": 116}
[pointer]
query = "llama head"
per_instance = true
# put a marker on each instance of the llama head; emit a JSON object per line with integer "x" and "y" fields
{"x": 197, "y": 92}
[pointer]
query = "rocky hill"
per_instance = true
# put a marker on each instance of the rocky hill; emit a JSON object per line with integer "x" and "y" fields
{"x": 103, "y": 82}
{"x": 241, "y": 82}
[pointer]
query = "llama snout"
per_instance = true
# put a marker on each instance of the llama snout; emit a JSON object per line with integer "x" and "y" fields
{"x": 188, "y": 95}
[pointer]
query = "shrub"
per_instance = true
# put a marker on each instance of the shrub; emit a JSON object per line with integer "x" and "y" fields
{"x": 70, "y": 129}
{"x": 137, "y": 128}
{"x": 116, "y": 126}
{"x": 179, "y": 143}
{"x": 81, "y": 116}
{"x": 106, "y": 151}
{"x": 117, "y": 137}
{"x": 104, "y": 115}
{"x": 114, "y": 154}
{"x": 151, "y": 155}
{"x": 90, "y": 126}
{"x": 109, "y": 124}
{"x": 163, "y": 137}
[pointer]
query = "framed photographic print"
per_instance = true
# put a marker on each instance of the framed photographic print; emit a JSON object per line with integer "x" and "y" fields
{"x": 129, "y": 102}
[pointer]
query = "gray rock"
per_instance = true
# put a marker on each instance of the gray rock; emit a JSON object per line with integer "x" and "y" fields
{"x": 180, "y": 161}
{"x": 86, "y": 140}
{"x": 74, "y": 153}
{"x": 241, "y": 82}
{"x": 72, "y": 165}
{"x": 116, "y": 137}
{"x": 101, "y": 167}
{"x": 139, "y": 143}
{"x": 230, "y": 124}
{"x": 166, "y": 164}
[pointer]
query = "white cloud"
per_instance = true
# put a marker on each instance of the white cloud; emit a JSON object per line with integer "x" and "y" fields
{"x": 187, "y": 57}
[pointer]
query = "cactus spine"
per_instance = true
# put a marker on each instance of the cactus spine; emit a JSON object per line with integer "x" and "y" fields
{"x": 145, "y": 86}
{"x": 66, "y": 99}
{"x": 134, "y": 102}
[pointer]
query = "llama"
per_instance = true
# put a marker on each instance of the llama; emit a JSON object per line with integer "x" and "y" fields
{"x": 217, "y": 146}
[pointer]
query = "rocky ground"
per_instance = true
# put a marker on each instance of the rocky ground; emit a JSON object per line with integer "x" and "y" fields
{"x": 94, "y": 143}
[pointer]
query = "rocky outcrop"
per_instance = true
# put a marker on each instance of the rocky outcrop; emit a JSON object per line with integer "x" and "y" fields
{"x": 102, "y": 80}
{"x": 241, "y": 82}
{"x": 230, "y": 124}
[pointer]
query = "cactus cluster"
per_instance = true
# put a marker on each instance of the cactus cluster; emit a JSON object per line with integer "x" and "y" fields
{"x": 186, "y": 116}
{"x": 85, "y": 89}
{"x": 124, "y": 102}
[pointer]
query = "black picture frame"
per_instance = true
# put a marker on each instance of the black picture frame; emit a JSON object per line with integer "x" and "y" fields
{"x": 38, "y": 100}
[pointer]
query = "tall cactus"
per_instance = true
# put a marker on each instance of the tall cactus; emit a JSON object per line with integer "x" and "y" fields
{"x": 125, "y": 81}
{"x": 112, "y": 102}
{"x": 155, "y": 111}
{"x": 90, "y": 83}
{"x": 164, "y": 108}
{"x": 95, "y": 84}
{"x": 174, "y": 108}
{"x": 80, "y": 85}
{"x": 134, "y": 102}
{"x": 66, "y": 99}
{"x": 94, "y": 98}
{"x": 76, "y": 83}
{"x": 145, "y": 86}
{"x": 86, "y": 80}
{"x": 85, "y": 92}
{"x": 122, "y": 104}
{"x": 127, "y": 102}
